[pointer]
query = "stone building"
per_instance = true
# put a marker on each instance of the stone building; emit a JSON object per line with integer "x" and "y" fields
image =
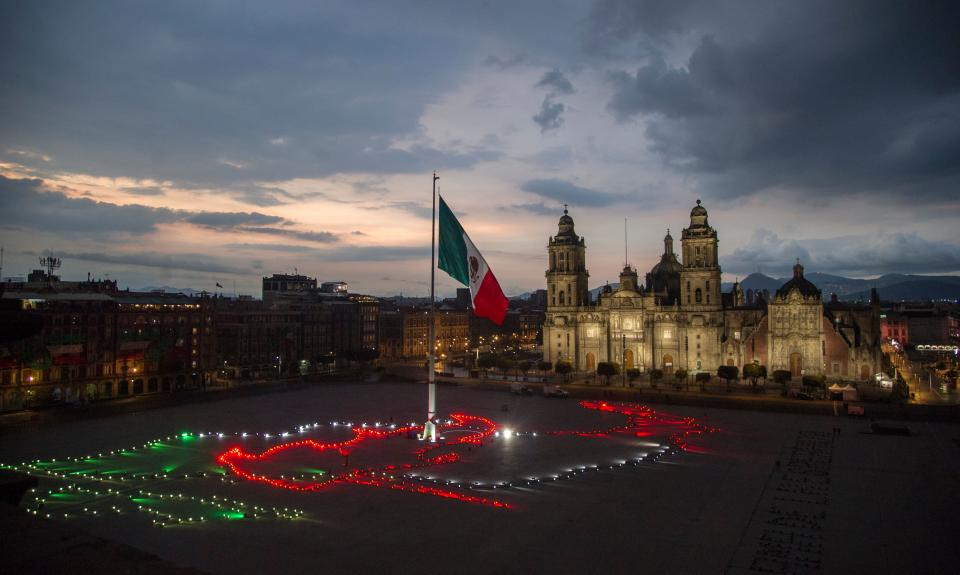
{"x": 681, "y": 320}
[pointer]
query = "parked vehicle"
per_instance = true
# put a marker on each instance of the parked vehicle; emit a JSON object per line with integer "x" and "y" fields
{"x": 555, "y": 391}
{"x": 520, "y": 389}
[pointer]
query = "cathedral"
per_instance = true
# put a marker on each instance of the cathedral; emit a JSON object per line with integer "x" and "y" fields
{"x": 681, "y": 319}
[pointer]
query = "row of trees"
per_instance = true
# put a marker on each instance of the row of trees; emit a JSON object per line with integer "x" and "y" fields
{"x": 507, "y": 364}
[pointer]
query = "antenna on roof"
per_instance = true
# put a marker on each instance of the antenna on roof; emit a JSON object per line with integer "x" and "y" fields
{"x": 51, "y": 263}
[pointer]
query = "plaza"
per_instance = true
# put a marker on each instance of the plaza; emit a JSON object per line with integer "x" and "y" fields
{"x": 764, "y": 493}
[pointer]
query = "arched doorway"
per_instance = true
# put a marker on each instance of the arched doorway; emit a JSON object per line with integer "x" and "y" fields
{"x": 124, "y": 387}
{"x": 138, "y": 386}
{"x": 152, "y": 385}
{"x": 796, "y": 364}
{"x": 591, "y": 362}
{"x": 668, "y": 363}
{"x": 865, "y": 372}
{"x": 628, "y": 359}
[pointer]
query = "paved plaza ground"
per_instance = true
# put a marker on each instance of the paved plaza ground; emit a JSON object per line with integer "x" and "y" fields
{"x": 770, "y": 492}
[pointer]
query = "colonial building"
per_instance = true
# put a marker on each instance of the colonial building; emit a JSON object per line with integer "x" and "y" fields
{"x": 680, "y": 319}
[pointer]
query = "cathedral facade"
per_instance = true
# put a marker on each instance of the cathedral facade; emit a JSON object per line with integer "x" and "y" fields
{"x": 680, "y": 318}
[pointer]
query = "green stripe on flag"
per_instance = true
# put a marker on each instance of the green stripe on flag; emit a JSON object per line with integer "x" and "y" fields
{"x": 453, "y": 250}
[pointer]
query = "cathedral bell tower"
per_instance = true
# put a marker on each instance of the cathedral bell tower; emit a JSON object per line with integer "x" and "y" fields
{"x": 700, "y": 277}
{"x": 567, "y": 274}
{"x": 566, "y": 292}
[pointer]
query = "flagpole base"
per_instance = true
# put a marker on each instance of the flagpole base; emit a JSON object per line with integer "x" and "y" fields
{"x": 429, "y": 432}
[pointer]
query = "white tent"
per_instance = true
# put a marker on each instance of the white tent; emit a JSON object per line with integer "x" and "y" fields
{"x": 849, "y": 392}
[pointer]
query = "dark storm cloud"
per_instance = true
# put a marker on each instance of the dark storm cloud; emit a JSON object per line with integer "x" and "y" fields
{"x": 213, "y": 93}
{"x": 569, "y": 193}
{"x": 829, "y": 98}
{"x": 556, "y": 82}
{"x": 319, "y": 237}
{"x": 283, "y": 248}
{"x": 23, "y": 204}
{"x": 550, "y": 116}
{"x": 375, "y": 254}
{"x": 221, "y": 220}
{"x": 848, "y": 255}
{"x": 185, "y": 262}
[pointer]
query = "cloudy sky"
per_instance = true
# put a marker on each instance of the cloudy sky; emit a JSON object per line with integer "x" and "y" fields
{"x": 186, "y": 143}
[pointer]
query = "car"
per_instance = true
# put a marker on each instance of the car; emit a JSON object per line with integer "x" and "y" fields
{"x": 554, "y": 391}
{"x": 519, "y": 389}
{"x": 802, "y": 395}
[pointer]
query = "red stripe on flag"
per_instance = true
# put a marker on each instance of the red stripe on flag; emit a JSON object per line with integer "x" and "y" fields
{"x": 490, "y": 301}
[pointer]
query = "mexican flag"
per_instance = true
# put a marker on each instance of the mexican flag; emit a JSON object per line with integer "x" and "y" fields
{"x": 461, "y": 259}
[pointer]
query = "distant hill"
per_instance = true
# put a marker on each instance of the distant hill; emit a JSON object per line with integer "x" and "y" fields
{"x": 595, "y": 292}
{"x": 169, "y": 289}
{"x": 912, "y": 291}
{"x": 893, "y": 287}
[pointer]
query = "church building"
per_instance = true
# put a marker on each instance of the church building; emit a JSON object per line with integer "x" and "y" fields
{"x": 681, "y": 319}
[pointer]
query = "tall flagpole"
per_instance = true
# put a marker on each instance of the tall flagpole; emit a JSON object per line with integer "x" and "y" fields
{"x": 430, "y": 428}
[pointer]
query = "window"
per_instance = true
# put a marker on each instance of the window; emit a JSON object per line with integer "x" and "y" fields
{"x": 699, "y": 295}
{"x": 667, "y": 334}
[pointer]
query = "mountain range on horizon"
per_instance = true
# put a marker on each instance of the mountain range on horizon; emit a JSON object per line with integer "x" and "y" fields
{"x": 892, "y": 287}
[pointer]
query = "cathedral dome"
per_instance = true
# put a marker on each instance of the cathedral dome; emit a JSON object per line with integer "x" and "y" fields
{"x": 698, "y": 217}
{"x": 698, "y": 210}
{"x": 667, "y": 266}
{"x": 664, "y": 277}
{"x": 799, "y": 283}
{"x": 565, "y": 227}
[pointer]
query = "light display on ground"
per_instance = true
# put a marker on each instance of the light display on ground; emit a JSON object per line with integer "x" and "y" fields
{"x": 169, "y": 479}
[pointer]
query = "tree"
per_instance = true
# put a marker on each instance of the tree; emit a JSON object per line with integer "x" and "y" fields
{"x": 632, "y": 375}
{"x": 487, "y": 361}
{"x": 606, "y": 369}
{"x": 680, "y": 376}
{"x": 524, "y": 366}
{"x": 728, "y": 373}
{"x": 562, "y": 368}
{"x": 655, "y": 376}
{"x": 753, "y": 372}
{"x": 900, "y": 390}
{"x": 544, "y": 366}
{"x": 782, "y": 377}
{"x": 703, "y": 377}
{"x": 366, "y": 354}
{"x": 951, "y": 378}
{"x": 505, "y": 364}
{"x": 814, "y": 382}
